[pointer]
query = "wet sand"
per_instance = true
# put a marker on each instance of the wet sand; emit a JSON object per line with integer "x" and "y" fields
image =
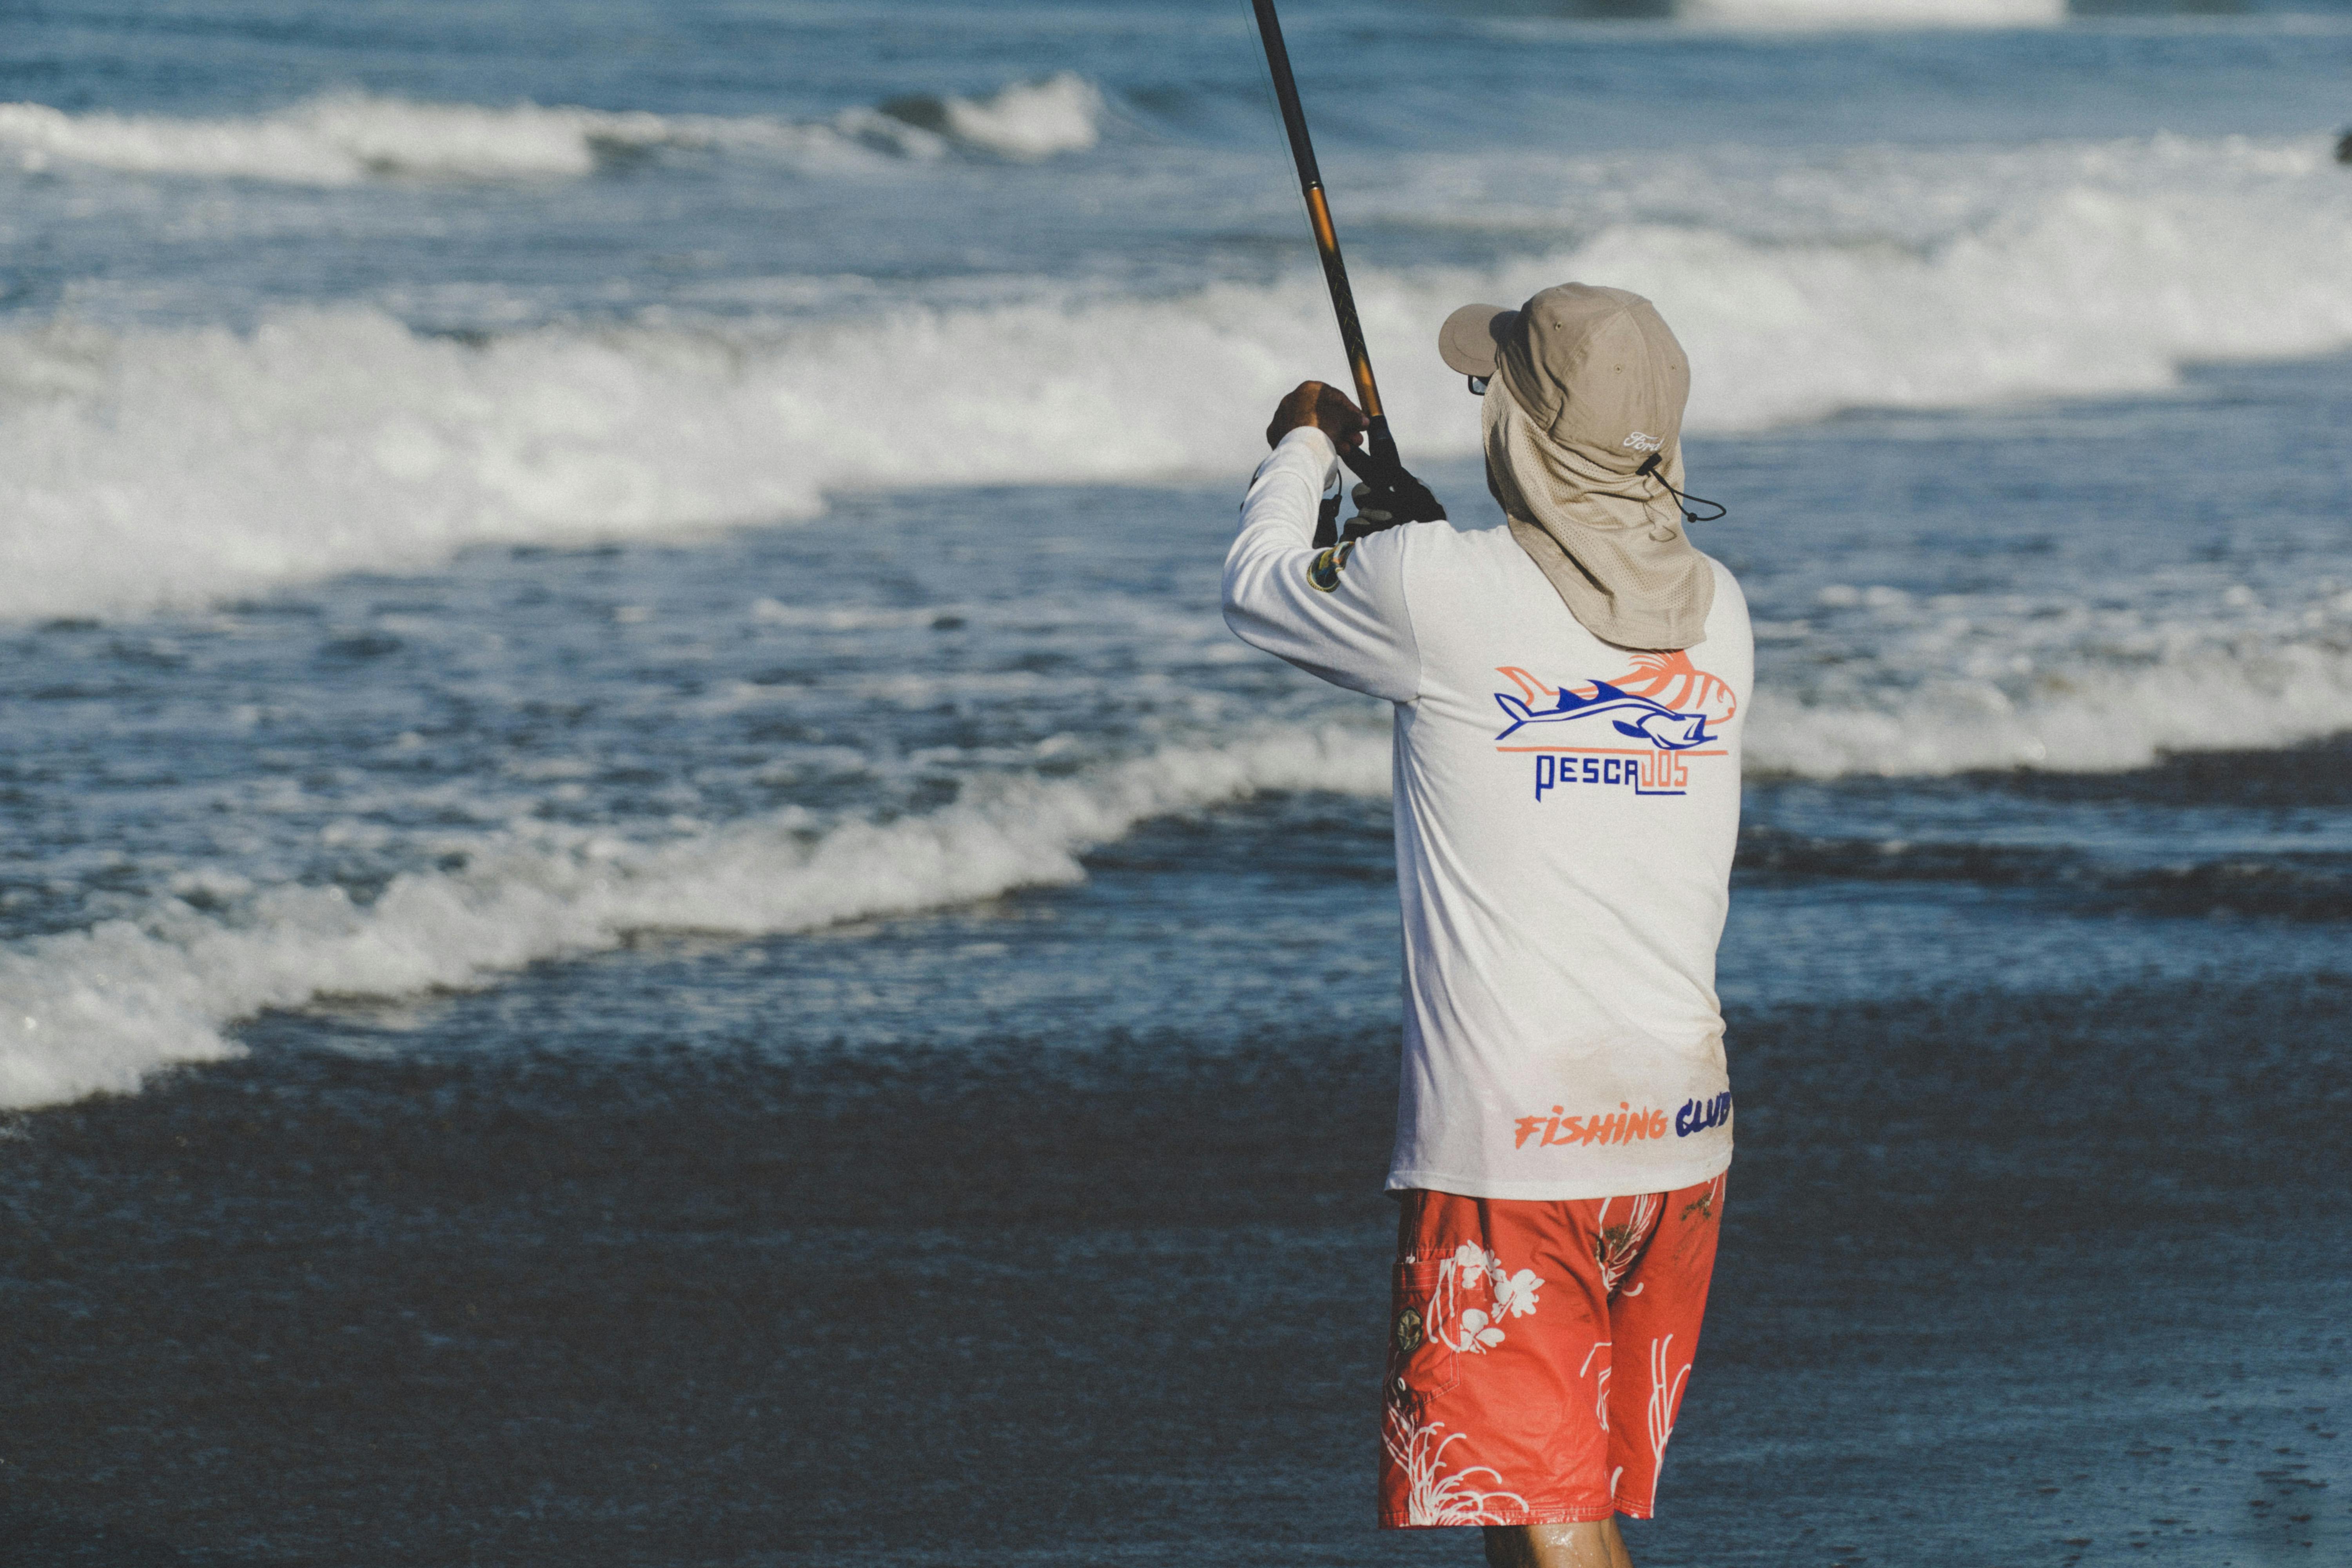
{"x": 2007, "y": 1279}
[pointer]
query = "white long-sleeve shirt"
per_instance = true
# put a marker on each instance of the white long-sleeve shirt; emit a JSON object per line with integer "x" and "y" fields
{"x": 1565, "y": 819}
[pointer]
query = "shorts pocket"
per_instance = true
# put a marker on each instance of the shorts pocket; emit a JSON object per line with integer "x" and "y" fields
{"x": 1422, "y": 1364}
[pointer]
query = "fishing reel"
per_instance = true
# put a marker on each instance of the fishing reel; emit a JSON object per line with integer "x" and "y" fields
{"x": 1386, "y": 496}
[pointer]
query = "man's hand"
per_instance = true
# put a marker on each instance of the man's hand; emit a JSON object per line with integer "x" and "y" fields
{"x": 1324, "y": 407}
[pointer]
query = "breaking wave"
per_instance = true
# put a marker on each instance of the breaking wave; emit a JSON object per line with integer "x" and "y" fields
{"x": 101, "y": 1009}
{"x": 2316, "y": 886}
{"x": 97, "y": 1011}
{"x": 154, "y": 466}
{"x": 1874, "y": 13}
{"x": 342, "y": 139}
{"x": 2064, "y": 689}
{"x": 1062, "y": 113}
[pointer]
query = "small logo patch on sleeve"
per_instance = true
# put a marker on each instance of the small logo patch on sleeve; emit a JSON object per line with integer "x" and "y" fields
{"x": 1323, "y": 571}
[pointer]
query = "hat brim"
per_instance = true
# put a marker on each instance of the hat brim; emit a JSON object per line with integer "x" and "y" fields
{"x": 1473, "y": 336}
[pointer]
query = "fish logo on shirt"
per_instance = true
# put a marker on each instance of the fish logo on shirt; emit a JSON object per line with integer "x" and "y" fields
{"x": 1648, "y": 721}
{"x": 1663, "y": 701}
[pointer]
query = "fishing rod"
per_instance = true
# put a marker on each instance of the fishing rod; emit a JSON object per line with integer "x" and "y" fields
{"x": 1378, "y": 464}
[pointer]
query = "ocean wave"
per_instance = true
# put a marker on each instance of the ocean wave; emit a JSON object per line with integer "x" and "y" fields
{"x": 1062, "y": 113}
{"x": 175, "y": 466}
{"x": 2302, "y": 887}
{"x": 340, "y": 138}
{"x": 1825, "y": 14}
{"x": 145, "y": 468}
{"x": 2053, "y": 687}
{"x": 100, "y": 1010}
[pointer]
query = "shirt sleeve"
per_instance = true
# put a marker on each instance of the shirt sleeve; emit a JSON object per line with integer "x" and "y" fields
{"x": 1338, "y": 613}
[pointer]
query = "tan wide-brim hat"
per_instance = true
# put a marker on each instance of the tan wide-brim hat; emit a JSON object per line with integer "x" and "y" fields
{"x": 1596, "y": 368}
{"x": 1583, "y": 419}
{"x": 1473, "y": 336}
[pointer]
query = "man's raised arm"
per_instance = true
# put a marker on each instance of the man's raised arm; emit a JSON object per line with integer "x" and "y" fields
{"x": 1340, "y": 612}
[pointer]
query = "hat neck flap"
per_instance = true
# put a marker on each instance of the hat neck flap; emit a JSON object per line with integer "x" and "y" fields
{"x": 1611, "y": 544}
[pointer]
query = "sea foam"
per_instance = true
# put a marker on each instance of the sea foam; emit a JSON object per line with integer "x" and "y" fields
{"x": 1825, "y": 14}
{"x": 340, "y": 138}
{"x": 98, "y": 1010}
{"x": 2098, "y": 694}
{"x": 150, "y": 466}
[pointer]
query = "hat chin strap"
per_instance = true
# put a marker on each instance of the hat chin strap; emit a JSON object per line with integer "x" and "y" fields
{"x": 1594, "y": 532}
{"x": 1649, "y": 469}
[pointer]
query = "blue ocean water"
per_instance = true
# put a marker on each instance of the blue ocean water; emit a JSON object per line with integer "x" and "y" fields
{"x": 576, "y": 564}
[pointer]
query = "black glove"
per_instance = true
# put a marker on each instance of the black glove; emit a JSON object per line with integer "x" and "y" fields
{"x": 1402, "y": 499}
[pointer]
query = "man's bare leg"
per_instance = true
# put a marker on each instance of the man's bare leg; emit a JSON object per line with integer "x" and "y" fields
{"x": 1593, "y": 1545}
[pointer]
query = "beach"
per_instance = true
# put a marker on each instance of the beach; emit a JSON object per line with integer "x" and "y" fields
{"x": 649, "y": 919}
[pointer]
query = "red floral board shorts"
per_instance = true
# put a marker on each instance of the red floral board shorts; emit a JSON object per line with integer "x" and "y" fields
{"x": 1539, "y": 1353}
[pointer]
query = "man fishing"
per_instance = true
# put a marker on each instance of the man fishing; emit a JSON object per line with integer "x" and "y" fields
{"x": 1568, "y": 687}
